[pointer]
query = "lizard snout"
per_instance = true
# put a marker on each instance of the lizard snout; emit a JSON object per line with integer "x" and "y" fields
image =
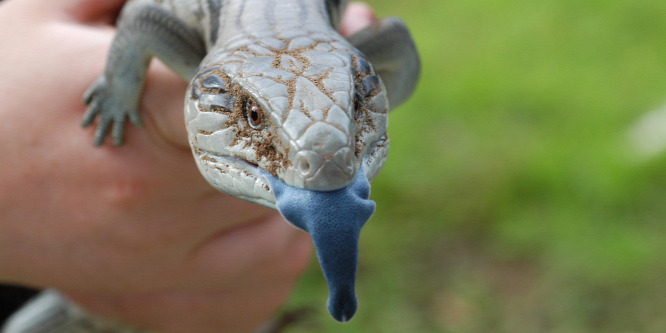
{"x": 312, "y": 171}
{"x": 322, "y": 159}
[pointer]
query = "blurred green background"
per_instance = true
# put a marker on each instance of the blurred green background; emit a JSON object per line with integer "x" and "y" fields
{"x": 512, "y": 200}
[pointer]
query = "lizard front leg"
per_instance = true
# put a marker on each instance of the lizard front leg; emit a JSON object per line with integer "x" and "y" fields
{"x": 144, "y": 31}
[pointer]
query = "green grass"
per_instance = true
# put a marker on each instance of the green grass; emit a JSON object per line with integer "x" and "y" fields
{"x": 510, "y": 201}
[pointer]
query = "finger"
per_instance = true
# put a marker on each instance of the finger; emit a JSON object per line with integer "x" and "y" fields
{"x": 99, "y": 11}
{"x": 225, "y": 309}
{"x": 251, "y": 247}
{"x": 79, "y": 10}
{"x": 271, "y": 279}
{"x": 163, "y": 105}
{"x": 357, "y": 16}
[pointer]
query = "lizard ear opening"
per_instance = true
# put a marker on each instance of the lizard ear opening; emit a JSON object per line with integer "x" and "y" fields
{"x": 390, "y": 47}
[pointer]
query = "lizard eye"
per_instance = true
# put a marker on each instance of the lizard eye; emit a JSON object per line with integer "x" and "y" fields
{"x": 253, "y": 114}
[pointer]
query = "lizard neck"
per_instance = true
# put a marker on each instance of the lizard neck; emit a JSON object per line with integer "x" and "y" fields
{"x": 256, "y": 19}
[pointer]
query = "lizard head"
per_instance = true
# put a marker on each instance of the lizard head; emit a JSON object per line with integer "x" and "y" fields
{"x": 309, "y": 110}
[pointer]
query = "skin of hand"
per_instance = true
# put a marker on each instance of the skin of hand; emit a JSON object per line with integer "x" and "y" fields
{"x": 132, "y": 233}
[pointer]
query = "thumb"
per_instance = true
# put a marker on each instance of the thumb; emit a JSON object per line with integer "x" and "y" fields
{"x": 105, "y": 11}
{"x": 89, "y": 11}
{"x": 357, "y": 16}
{"x": 162, "y": 105}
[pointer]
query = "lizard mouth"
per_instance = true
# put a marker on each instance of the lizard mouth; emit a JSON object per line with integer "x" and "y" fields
{"x": 235, "y": 176}
{"x": 245, "y": 180}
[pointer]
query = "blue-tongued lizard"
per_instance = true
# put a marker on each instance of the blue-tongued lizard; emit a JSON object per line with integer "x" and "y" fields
{"x": 281, "y": 110}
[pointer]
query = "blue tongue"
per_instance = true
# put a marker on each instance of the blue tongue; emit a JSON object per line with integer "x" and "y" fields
{"x": 334, "y": 220}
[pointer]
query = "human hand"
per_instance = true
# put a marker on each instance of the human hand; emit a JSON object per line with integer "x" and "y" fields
{"x": 132, "y": 233}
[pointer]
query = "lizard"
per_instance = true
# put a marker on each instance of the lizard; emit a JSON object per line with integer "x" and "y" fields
{"x": 281, "y": 110}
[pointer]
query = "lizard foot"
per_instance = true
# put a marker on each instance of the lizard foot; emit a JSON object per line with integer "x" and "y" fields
{"x": 113, "y": 106}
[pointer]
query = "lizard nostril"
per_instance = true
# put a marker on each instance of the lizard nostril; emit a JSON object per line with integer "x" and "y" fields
{"x": 304, "y": 166}
{"x": 307, "y": 163}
